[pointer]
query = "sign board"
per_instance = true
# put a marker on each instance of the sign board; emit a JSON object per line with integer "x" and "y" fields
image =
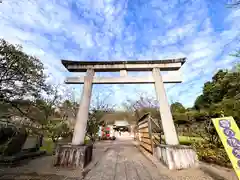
{"x": 229, "y": 134}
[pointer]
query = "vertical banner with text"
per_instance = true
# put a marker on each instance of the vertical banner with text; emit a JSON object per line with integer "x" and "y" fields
{"x": 229, "y": 134}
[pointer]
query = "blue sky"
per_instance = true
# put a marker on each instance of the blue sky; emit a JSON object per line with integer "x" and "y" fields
{"x": 202, "y": 31}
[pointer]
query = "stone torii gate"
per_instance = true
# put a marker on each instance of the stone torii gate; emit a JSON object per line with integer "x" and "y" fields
{"x": 156, "y": 66}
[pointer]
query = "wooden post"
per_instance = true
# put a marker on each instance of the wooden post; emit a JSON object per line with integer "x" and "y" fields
{"x": 150, "y": 131}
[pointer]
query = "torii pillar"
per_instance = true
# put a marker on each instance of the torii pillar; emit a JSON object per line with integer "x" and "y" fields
{"x": 78, "y": 154}
{"x": 169, "y": 129}
{"x": 82, "y": 115}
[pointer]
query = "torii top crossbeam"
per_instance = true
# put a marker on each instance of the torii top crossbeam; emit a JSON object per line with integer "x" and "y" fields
{"x": 113, "y": 66}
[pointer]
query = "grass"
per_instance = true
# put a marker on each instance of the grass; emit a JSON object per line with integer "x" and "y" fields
{"x": 47, "y": 146}
{"x": 187, "y": 140}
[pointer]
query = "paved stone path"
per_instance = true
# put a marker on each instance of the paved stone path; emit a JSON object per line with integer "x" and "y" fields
{"x": 123, "y": 161}
{"x": 34, "y": 176}
{"x": 41, "y": 168}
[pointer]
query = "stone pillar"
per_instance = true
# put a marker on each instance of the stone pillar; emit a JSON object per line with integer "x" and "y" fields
{"x": 82, "y": 116}
{"x": 169, "y": 130}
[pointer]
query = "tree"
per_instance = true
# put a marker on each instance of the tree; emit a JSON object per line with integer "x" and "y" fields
{"x": 21, "y": 75}
{"x": 227, "y": 107}
{"x": 57, "y": 129}
{"x": 214, "y": 91}
{"x": 43, "y": 109}
{"x": 100, "y": 98}
{"x": 236, "y": 68}
{"x": 200, "y": 116}
{"x": 237, "y": 54}
{"x": 177, "y": 108}
{"x": 97, "y": 110}
{"x": 225, "y": 84}
{"x": 68, "y": 111}
{"x": 142, "y": 106}
{"x": 234, "y": 4}
{"x": 22, "y": 81}
{"x": 36, "y": 115}
{"x": 208, "y": 132}
{"x": 5, "y": 111}
{"x": 182, "y": 118}
{"x": 200, "y": 103}
{"x": 220, "y": 97}
{"x": 93, "y": 123}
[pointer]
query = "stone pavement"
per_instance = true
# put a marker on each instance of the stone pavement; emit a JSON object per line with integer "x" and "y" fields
{"x": 34, "y": 176}
{"x": 112, "y": 160}
{"x": 41, "y": 168}
{"x": 124, "y": 161}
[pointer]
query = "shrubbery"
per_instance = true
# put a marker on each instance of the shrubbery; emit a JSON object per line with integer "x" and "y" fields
{"x": 210, "y": 153}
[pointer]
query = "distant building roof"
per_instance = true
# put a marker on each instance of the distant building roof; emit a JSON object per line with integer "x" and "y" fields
{"x": 121, "y": 123}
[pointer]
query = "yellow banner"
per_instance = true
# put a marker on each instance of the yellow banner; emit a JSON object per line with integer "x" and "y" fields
{"x": 229, "y": 134}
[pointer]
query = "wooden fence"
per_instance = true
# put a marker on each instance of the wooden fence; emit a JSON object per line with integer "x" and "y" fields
{"x": 148, "y": 133}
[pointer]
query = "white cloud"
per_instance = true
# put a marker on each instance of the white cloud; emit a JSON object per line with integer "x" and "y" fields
{"x": 202, "y": 53}
{"x": 180, "y": 32}
{"x": 233, "y": 15}
{"x": 122, "y": 30}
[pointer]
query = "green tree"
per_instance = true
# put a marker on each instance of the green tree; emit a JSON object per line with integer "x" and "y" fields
{"x": 215, "y": 90}
{"x": 21, "y": 75}
{"x": 177, "y": 108}
{"x": 220, "y": 97}
{"x": 93, "y": 123}
{"x": 227, "y": 107}
{"x": 201, "y": 102}
{"x": 225, "y": 84}
{"x": 57, "y": 129}
{"x": 21, "y": 78}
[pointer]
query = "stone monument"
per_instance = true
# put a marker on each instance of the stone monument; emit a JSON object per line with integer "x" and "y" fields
{"x": 17, "y": 145}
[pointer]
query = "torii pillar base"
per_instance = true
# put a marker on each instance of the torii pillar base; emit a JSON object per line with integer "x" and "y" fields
{"x": 73, "y": 156}
{"x": 77, "y": 154}
{"x": 176, "y": 157}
